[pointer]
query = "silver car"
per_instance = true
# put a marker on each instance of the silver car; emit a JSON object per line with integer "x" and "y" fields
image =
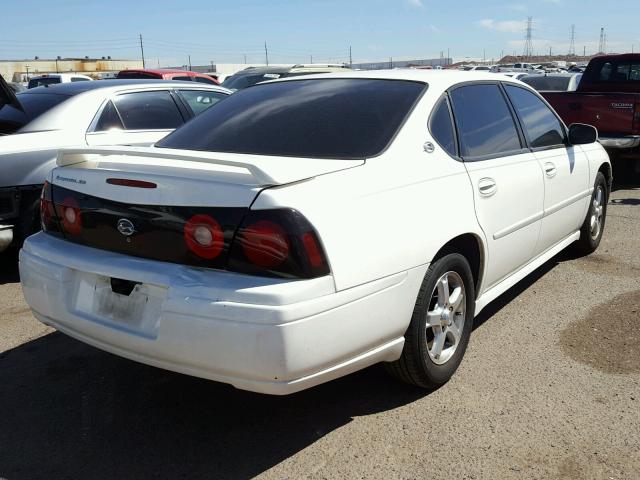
{"x": 36, "y": 123}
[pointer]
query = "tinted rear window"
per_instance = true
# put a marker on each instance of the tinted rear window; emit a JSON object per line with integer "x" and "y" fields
{"x": 238, "y": 82}
{"x": 39, "y": 82}
{"x": 141, "y": 75}
{"x": 321, "y": 118}
{"x": 543, "y": 83}
{"x": 12, "y": 119}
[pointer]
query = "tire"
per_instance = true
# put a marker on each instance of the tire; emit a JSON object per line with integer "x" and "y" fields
{"x": 590, "y": 236}
{"x": 418, "y": 364}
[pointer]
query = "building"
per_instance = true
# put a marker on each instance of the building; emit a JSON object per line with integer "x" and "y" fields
{"x": 105, "y": 67}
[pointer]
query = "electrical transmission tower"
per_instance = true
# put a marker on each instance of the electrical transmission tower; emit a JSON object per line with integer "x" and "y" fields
{"x": 601, "y": 46}
{"x": 572, "y": 45}
{"x": 528, "y": 43}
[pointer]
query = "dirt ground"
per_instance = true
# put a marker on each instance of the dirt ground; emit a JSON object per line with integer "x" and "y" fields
{"x": 549, "y": 388}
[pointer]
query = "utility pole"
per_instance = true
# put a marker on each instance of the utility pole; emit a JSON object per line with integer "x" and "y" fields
{"x": 572, "y": 45}
{"x": 57, "y": 71}
{"x": 189, "y": 62}
{"x": 584, "y": 51}
{"x": 266, "y": 54}
{"x": 212, "y": 66}
{"x": 311, "y": 58}
{"x": 448, "y": 57}
{"x": 245, "y": 58}
{"x": 142, "y": 52}
{"x": 350, "y": 58}
{"x": 484, "y": 56}
{"x": 550, "y": 54}
{"x": 390, "y": 62}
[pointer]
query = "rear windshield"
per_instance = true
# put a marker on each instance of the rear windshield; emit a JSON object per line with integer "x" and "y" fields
{"x": 618, "y": 72}
{"x": 39, "y": 82}
{"x": 320, "y": 118}
{"x": 140, "y": 75}
{"x": 238, "y": 82}
{"x": 34, "y": 105}
{"x": 544, "y": 83}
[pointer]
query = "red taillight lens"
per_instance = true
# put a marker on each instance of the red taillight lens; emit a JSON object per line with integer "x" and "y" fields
{"x": 204, "y": 236}
{"x": 70, "y": 215}
{"x": 265, "y": 243}
{"x": 47, "y": 210}
{"x": 279, "y": 243}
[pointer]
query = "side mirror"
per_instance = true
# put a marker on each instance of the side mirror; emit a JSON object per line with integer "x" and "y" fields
{"x": 580, "y": 134}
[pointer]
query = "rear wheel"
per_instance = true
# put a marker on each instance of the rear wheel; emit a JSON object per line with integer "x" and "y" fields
{"x": 441, "y": 324}
{"x": 593, "y": 225}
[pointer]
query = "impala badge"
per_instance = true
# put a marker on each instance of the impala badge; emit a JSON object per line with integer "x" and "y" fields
{"x": 125, "y": 227}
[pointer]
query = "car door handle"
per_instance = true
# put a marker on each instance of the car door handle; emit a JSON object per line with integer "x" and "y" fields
{"x": 550, "y": 169}
{"x": 487, "y": 187}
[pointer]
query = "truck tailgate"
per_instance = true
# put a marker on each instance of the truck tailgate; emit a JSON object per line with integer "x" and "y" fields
{"x": 613, "y": 114}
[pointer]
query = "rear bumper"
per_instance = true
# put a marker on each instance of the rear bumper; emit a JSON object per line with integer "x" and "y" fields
{"x": 265, "y": 335}
{"x": 631, "y": 141}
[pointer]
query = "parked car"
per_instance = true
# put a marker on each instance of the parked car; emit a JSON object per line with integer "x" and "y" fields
{"x": 252, "y": 75}
{"x": 34, "y": 124}
{"x": 553, "y": 82}
{"x": 608, "y": 97}
{"x": 167, "y": 74}
{"x": 477, "y": 68}
{"x": 309, "y": 227}
{"x": 515, "y": 75}
{"x": 55, "y": 78}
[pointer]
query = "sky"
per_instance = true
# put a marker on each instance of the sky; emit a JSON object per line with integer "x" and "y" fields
{"x": 301, "y": 31}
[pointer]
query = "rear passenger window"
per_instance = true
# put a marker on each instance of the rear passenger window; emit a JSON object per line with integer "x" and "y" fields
{"x": 109, "y": 119}
{"x": 209, "y": 81}
{"x": 485, "y": 124}
{"x": 541, "y": 126}
{"x": 183, "y": 78}
{"x": 200, "y": 100}
{"x": 148, "y": 111}
{"x": 442, "y": 128}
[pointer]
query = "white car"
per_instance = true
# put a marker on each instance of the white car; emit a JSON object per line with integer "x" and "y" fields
{"x": 34, "y": 124}
{"x": 306, "y": 228}
{"x": 55, "y": 78}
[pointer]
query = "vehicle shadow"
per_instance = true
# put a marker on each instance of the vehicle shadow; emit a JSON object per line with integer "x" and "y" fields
{"x": 9, "y": 266}
{"x": 72, "y": 411}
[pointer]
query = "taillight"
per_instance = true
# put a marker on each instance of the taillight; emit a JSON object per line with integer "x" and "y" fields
{"x": 277, "y": 242}
{"x": 48, "y": 218}
{"x": 70, "y": 215}
{"x": 204, "y": 236}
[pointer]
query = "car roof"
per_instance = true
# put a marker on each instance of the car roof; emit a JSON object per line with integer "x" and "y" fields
{"x": 75, "y": 88}
{"x": 437, "y": 79}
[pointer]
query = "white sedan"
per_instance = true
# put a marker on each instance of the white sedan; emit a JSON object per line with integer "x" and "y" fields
{"x": 307, "y": 228}
{"x": 36, "y": 123}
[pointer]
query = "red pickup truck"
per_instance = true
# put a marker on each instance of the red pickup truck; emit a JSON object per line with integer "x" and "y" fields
{"x": 608, "y": 98}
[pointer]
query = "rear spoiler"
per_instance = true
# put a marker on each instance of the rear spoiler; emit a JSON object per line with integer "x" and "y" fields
{"x": 94, "y": 155}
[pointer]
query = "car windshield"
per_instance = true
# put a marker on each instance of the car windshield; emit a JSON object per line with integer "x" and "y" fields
{"x": 34, "y": 105}
{"x": 547, "y": 83}
{"x": 318, "y": 118}
{"x": 238, "y": 82}
{"x": 39, "y": 82}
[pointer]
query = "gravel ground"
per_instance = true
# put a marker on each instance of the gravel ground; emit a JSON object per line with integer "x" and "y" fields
{"x": 549, "y": 388}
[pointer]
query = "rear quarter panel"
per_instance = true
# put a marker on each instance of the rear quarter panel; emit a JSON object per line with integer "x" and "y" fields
{"x": 389, "y": 215}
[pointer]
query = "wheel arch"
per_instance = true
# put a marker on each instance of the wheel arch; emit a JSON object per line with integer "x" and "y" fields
{"x": 605, "y": 169}
{"x": 472, "y": 248}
